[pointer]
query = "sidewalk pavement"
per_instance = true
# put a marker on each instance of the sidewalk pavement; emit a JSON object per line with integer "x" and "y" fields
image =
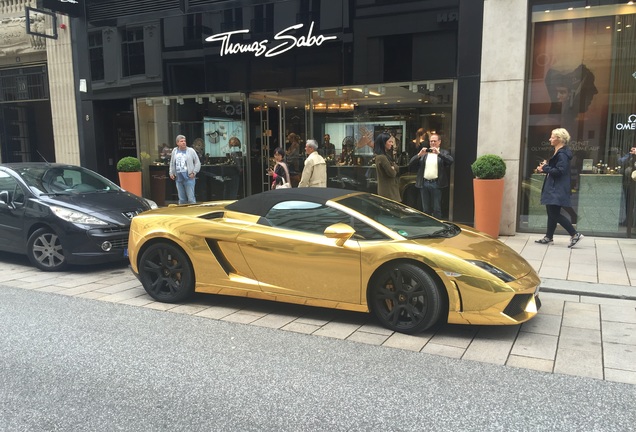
{"x": 586, "y": 326}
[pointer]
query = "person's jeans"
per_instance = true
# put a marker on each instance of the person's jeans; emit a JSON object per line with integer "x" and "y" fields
{"x": 431, "y": 198}
{"x": 185, "y": 190}
{"x": 554, "y": 217}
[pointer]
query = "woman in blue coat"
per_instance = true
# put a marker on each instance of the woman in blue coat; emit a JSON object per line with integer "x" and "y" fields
{"x": 556, "y": 187}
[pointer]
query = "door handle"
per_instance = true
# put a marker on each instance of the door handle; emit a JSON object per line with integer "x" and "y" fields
{"x": 246, "y": 241}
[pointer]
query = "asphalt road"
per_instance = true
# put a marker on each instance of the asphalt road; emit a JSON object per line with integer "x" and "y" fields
{"x": 71, "y": 364}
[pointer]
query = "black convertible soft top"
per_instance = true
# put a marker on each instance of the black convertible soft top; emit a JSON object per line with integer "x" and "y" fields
{"x": 259, "y": 204}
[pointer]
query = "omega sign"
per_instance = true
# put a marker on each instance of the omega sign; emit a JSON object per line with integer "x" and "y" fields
{"x": 288, "y": 41}
{"x": 630, "y": 125}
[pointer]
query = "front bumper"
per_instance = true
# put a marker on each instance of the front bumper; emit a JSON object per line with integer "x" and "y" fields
{"x": 95, "y": 245}
{"x": 515, "y": 306}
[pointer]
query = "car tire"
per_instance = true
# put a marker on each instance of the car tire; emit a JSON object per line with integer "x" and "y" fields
{"x": 166, "y": 273}
{"x": 405, "y": 298}
{"x": 45, "y": 250}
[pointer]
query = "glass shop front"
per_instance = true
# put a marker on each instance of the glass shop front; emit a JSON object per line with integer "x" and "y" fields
{"x": 235, "y": 134}
{"x": 583, "y": 78}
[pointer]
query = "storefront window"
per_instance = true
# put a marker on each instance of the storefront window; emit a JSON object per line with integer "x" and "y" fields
{"x": 214, "y": 125}
{"x": 345, "y": 121}
{"x": 235, "y": 137}
{"x": 351, "y": 117}
{"x": 581, "y": 79}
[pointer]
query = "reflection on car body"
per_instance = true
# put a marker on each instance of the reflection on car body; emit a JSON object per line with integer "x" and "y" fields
{"x": 60, "y": 214}
{"x": 341, "y": 249}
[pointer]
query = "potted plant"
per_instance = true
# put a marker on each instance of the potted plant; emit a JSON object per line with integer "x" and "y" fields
{"x": 130, "y": 174}
{"x": 488, "y": 187}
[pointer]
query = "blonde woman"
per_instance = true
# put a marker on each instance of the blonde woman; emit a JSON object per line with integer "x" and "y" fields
{"x": 556, "y": 187}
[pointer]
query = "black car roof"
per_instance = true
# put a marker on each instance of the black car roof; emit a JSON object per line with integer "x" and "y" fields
{"x": 16, "y": 165}
{"x": 259, "y": 204}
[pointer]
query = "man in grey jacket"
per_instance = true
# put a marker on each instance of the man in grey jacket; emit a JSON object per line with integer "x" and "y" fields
{"x": 184, "y": 166}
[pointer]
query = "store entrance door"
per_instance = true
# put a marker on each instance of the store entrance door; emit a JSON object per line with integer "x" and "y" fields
{"x": 277, "y": 119}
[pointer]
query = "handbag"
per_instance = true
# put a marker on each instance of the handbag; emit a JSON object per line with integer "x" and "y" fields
{"x": 284, "y": 185}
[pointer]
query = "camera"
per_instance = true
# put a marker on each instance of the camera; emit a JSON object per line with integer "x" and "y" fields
{"x": 429, "y": 150}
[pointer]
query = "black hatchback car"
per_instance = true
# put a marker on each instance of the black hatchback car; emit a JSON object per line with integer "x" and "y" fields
{"x": 60, "y": 214}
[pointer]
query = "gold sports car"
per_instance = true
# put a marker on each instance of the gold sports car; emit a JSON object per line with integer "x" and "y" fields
{"x": 338, "y": 249}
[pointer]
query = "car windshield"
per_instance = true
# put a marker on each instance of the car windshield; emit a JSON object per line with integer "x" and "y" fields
{"x": 404, "y": 220}
{"x": 65, "y": 180}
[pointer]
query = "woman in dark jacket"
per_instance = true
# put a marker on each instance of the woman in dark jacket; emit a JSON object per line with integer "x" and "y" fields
{"x": 280, "y": 172}
{"x": 556, "y": 187}
{"x": 387, "y": 169}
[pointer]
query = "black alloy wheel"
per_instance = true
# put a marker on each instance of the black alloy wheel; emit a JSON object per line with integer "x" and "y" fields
{"x": 405, "y": 298}
{"x": 45, "y": 251}
{"x": 166, "y": 273}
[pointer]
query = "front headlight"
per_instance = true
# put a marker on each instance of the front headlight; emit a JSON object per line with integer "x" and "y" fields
{"x": 151, "y": 203}
{"x": 492, "y": 270}
{"x": 76, "y": 217}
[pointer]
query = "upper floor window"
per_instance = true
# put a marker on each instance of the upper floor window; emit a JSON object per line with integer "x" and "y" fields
{"x": 263, "y": 21}
{"x": 132, "y": 52}
{"x": 232, "y": 19}
{"x": 96, "y": 55}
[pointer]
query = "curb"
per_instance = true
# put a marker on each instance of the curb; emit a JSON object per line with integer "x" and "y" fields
{"x": 559, "y": 286}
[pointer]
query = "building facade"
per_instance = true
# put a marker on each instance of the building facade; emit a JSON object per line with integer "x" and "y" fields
{"x": 489, "y": 76}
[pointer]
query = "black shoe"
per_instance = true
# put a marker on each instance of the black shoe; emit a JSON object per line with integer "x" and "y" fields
{"x": 575, "y": 239}
{"x": 544, "y": 240}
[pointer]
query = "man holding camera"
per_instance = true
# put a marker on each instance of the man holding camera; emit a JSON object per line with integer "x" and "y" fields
{"x": 432, "y": 175}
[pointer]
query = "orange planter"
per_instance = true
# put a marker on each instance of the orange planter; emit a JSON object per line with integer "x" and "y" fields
{"x": 131, "y": 182}
{"x": 488, "y": 203}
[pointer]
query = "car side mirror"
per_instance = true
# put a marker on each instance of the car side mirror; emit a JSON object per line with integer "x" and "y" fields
{"x": 4, "y": 200}
{"x": 340, "y": 231}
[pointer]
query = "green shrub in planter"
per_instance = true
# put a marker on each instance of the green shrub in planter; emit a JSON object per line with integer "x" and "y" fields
{"x": 128, "y": 164}
{"x": 488, "y": 167}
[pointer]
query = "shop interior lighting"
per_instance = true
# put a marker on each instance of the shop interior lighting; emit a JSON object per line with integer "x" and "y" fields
{"x": 148, "y": 101}
{"x": 365, "y": 91}
{"x": 166, "y": 101}
{"x": 180, "y": 100}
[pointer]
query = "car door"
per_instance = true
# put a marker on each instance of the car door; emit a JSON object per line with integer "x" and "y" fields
{"x": 294, "y": 257}
{"x": 11, "y": 214}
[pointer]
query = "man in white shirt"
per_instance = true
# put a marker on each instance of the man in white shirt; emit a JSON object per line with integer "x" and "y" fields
{"x": 432, "y": 176}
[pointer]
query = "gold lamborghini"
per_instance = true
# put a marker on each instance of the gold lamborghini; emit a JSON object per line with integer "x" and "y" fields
{"x": 337, "y": 249}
